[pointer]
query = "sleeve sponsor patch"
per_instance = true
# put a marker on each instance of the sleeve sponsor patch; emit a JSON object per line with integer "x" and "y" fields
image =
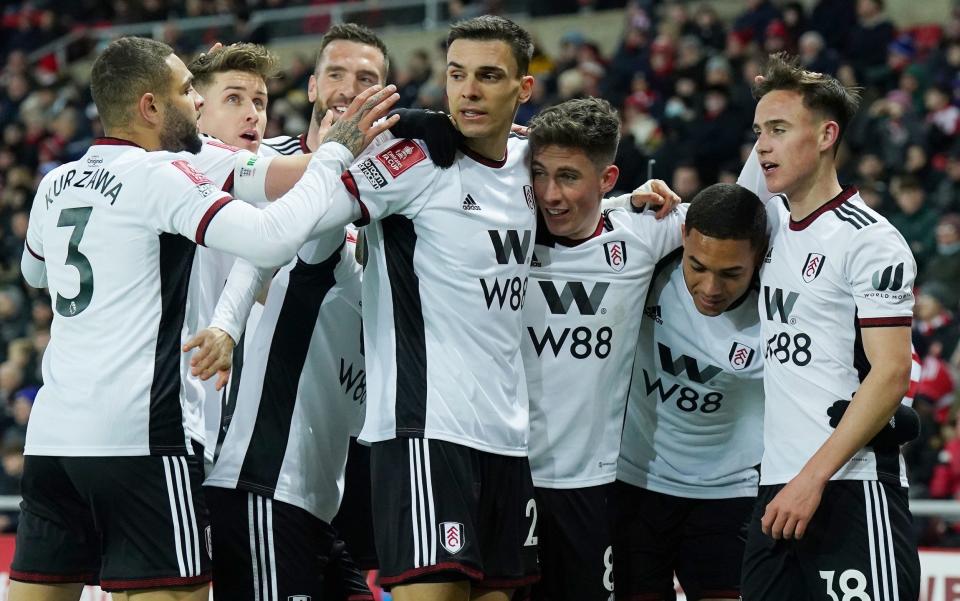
{"x": 196, "y": 176}
{"x": 373, "y": 175}
{"x": 401, "y": 156}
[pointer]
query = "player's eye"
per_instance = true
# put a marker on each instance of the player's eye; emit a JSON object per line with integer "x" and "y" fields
{"x": 233, "y": 98}
{"x": 259, "y": 104}
{"x": 368, "y": 81}
{"x": 698, "y": 268}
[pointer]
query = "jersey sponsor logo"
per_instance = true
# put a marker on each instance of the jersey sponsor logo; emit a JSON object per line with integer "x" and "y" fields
{"x": 812, "y": 267}
{"x": 94, "y": 161}
{"x": 741, "y": 356}
{"x": 654, "y": 313}
{"x": 451, "y": 536}
{"x": 535, "y": 260}
{"x": 616, "y": 254}
{"x": 889, "y": 278}
{"x": 528, "y": 196}
{"x": 517, "y": 247}
{"x": 195, "y": 175}
{"x": 373, "y": 175}
{"x": 777, "y": 307}
{"x": 469, "y": 204}
{"x": 676, "y": 367}
{"x": 353, "y": 380}
{"x": 769, "y": 256}
{"x": 401, "y": 156}
{"x": 560, "y": 302}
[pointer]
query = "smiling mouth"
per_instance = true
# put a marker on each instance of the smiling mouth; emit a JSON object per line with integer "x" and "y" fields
{"x": 767, "y": 166}
{"x": 556, "y": 212}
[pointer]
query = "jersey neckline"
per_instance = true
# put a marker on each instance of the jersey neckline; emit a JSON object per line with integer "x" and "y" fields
{"x": 484, "y": 160}
{"x": 111, "y": 141}
{"x": 831, "y": 204}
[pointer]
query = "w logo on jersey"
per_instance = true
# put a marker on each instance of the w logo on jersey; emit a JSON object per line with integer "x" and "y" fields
{"x": 451, "y": 536}
{"x": 881, "y": 280}
{"x": 741, "y": 356}
{"x": 573, "y": 292}
{"x": 813, "y": 266}
{"x": 616, "y": 253}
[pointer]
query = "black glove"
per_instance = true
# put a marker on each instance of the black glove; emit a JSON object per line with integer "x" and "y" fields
{"x": 903, "y": 427}
{"x": 434, "y": 128}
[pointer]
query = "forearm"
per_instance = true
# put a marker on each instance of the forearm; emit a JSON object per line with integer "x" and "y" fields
{"x": 236, "y": 300}
{"x": 284, "y": 172}
{"x": 270, "y": 237}
{"x": 874, "y": 403}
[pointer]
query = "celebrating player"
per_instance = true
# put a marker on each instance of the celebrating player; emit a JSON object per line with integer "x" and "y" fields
{"x": 687, "y": 478}
{"x": 581, "y": 324}
{"x": 110, "y": 483}
{"x": 832, "y": 518}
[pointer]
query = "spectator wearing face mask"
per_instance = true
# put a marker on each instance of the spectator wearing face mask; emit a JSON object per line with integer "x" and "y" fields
{"x": 944, "y": 266}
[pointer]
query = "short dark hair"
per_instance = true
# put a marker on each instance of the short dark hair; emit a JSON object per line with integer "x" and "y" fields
{"x": 590, "y": 124}
{"x": 127, "y": 69}
{"x": 248, "y": 58}
{"x": 821, "y": 93}
{"x": 493, "y": 28}
{"x": 351, "y": 32}
{"x": 728, "y": 212}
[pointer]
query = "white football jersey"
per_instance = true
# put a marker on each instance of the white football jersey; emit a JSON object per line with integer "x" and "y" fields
{"x": 581, "y": 318}
{"x": 302, "y": 388}
{"x": 284, "y": 145}
{"x": 224, "y": 165}
{"x": 116, "y": 230}
{"x": 694, "y": 420}
{"x": 448, "y": 258}
{"x": 841, "y": 269}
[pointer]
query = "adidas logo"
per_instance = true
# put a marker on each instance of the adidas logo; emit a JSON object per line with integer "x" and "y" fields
{"x": 653, "y": 312}
{"x": 469, "y": 204}
{"x": 769, "y": 256}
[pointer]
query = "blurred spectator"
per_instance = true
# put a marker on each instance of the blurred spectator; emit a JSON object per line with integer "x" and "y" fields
{"x": 944, "y": 266}
{"x": 833, "y": 19}
{"x": 935, "y": 328}
{"x": 707, "y": 27}
{"x": 943, "y": 119}
{"x": 946, "y": 196}
{"x": 867, "y": 41}
{"x": 686, "y": 181}
{"x": 915, "y": 221}
{"x": 753, "y": 21}
{"x": 814, "y": 54}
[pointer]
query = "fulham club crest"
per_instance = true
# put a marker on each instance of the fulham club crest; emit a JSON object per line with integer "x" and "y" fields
{"x": 812, "y": 267}
{"x": 451, "y": 536}
{"x": 528, "y": 195}
{"x": 616, "y": 253}
{"x": 741, "y": 356}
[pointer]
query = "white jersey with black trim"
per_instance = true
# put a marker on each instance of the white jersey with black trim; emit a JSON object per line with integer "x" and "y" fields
{"x": 302, "y": 389}
{"x": 284, "y": 145}
{"x": 840, "y": 269}
{"x": 116, "y": 230}
{"x": 695, "y": 413}
{"x": 581, "y": 321}
{"x": 448, "y": 258}
{"x": 224, "y": 165}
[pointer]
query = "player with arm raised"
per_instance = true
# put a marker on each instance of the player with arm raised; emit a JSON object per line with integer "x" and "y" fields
{"x": 112, "y": 235}
{"x": 832, "y": 518}
{"x": 590, "y": 268}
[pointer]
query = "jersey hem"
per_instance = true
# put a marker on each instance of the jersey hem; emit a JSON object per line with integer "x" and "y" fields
{"x": 464, "y": 442}
{"x": 271, "y": 494}
{"x": 73, "y": 451}
{"x": 778, "y": 479}
{"x": 695, "y": 492}
{"x": 565, "y": 484}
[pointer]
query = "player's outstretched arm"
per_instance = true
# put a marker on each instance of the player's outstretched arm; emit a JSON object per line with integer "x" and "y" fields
{"x": 271, "y": 236}
{"x": 654, "y": 194}
{"x": 889, "y": 352}
{"x": 214, "y": 355}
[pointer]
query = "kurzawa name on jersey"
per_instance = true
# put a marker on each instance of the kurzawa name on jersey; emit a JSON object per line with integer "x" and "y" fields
{"x": 99, "y": 180}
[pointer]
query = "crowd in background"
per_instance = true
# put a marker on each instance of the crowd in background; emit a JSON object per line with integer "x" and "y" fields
{"x": 681, "y": 77}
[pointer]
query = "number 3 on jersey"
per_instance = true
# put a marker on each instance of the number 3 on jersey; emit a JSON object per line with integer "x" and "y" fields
{"x": 76, "y": 218}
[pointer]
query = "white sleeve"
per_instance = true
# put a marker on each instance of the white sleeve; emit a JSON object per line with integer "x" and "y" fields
{"x": 32, "y": 264}
{"x": 880, "y": 270}
{"x": 663, "y": 236}
{"x": 617, "y": 202}
{"x": 240, "y": 292}
{"x": 390, "y": 179}
{"x": 250, "y": 177}
{"x": 270, "y": 237}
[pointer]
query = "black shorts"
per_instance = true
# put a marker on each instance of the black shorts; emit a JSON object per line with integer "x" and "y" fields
{"x": 267, "y": 549}
{"x": 859, "y": 545}
{"x": 446, "y": 512}
{"x": 127, "y": 523}
{"x": 354, "y": 521}
{"x": 573, "y": 531}
{"x": 657, "y": 536}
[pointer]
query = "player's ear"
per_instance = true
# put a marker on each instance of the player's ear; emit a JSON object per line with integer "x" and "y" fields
{"x": 148, "y": 109}
{"x": 608, "y": 178}
{"x": 829, "y": 134}
{"x": 526, "y": 88}
{"x": 312, "y": 89}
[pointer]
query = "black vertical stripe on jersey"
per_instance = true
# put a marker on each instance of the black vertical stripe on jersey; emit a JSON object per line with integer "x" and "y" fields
{"x": 166, "y": 416}
{"x": 400, "y": 242}
{"x": 306, "y": 289}
{"x": 228, "y": 400}
{"x": 888, "y": 459}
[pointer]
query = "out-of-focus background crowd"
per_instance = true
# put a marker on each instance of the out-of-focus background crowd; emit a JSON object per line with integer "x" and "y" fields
{"x": 679, "y": 71}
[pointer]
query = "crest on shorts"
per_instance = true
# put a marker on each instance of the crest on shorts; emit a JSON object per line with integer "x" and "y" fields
{"x": 616, "y": 254}
{"x": 811, "y": 269}
{"x": 528, "y": 195}
{"x": 299, "y": 598}
{"x": 741, "y": 356}
{"x": 451, "y": 536}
